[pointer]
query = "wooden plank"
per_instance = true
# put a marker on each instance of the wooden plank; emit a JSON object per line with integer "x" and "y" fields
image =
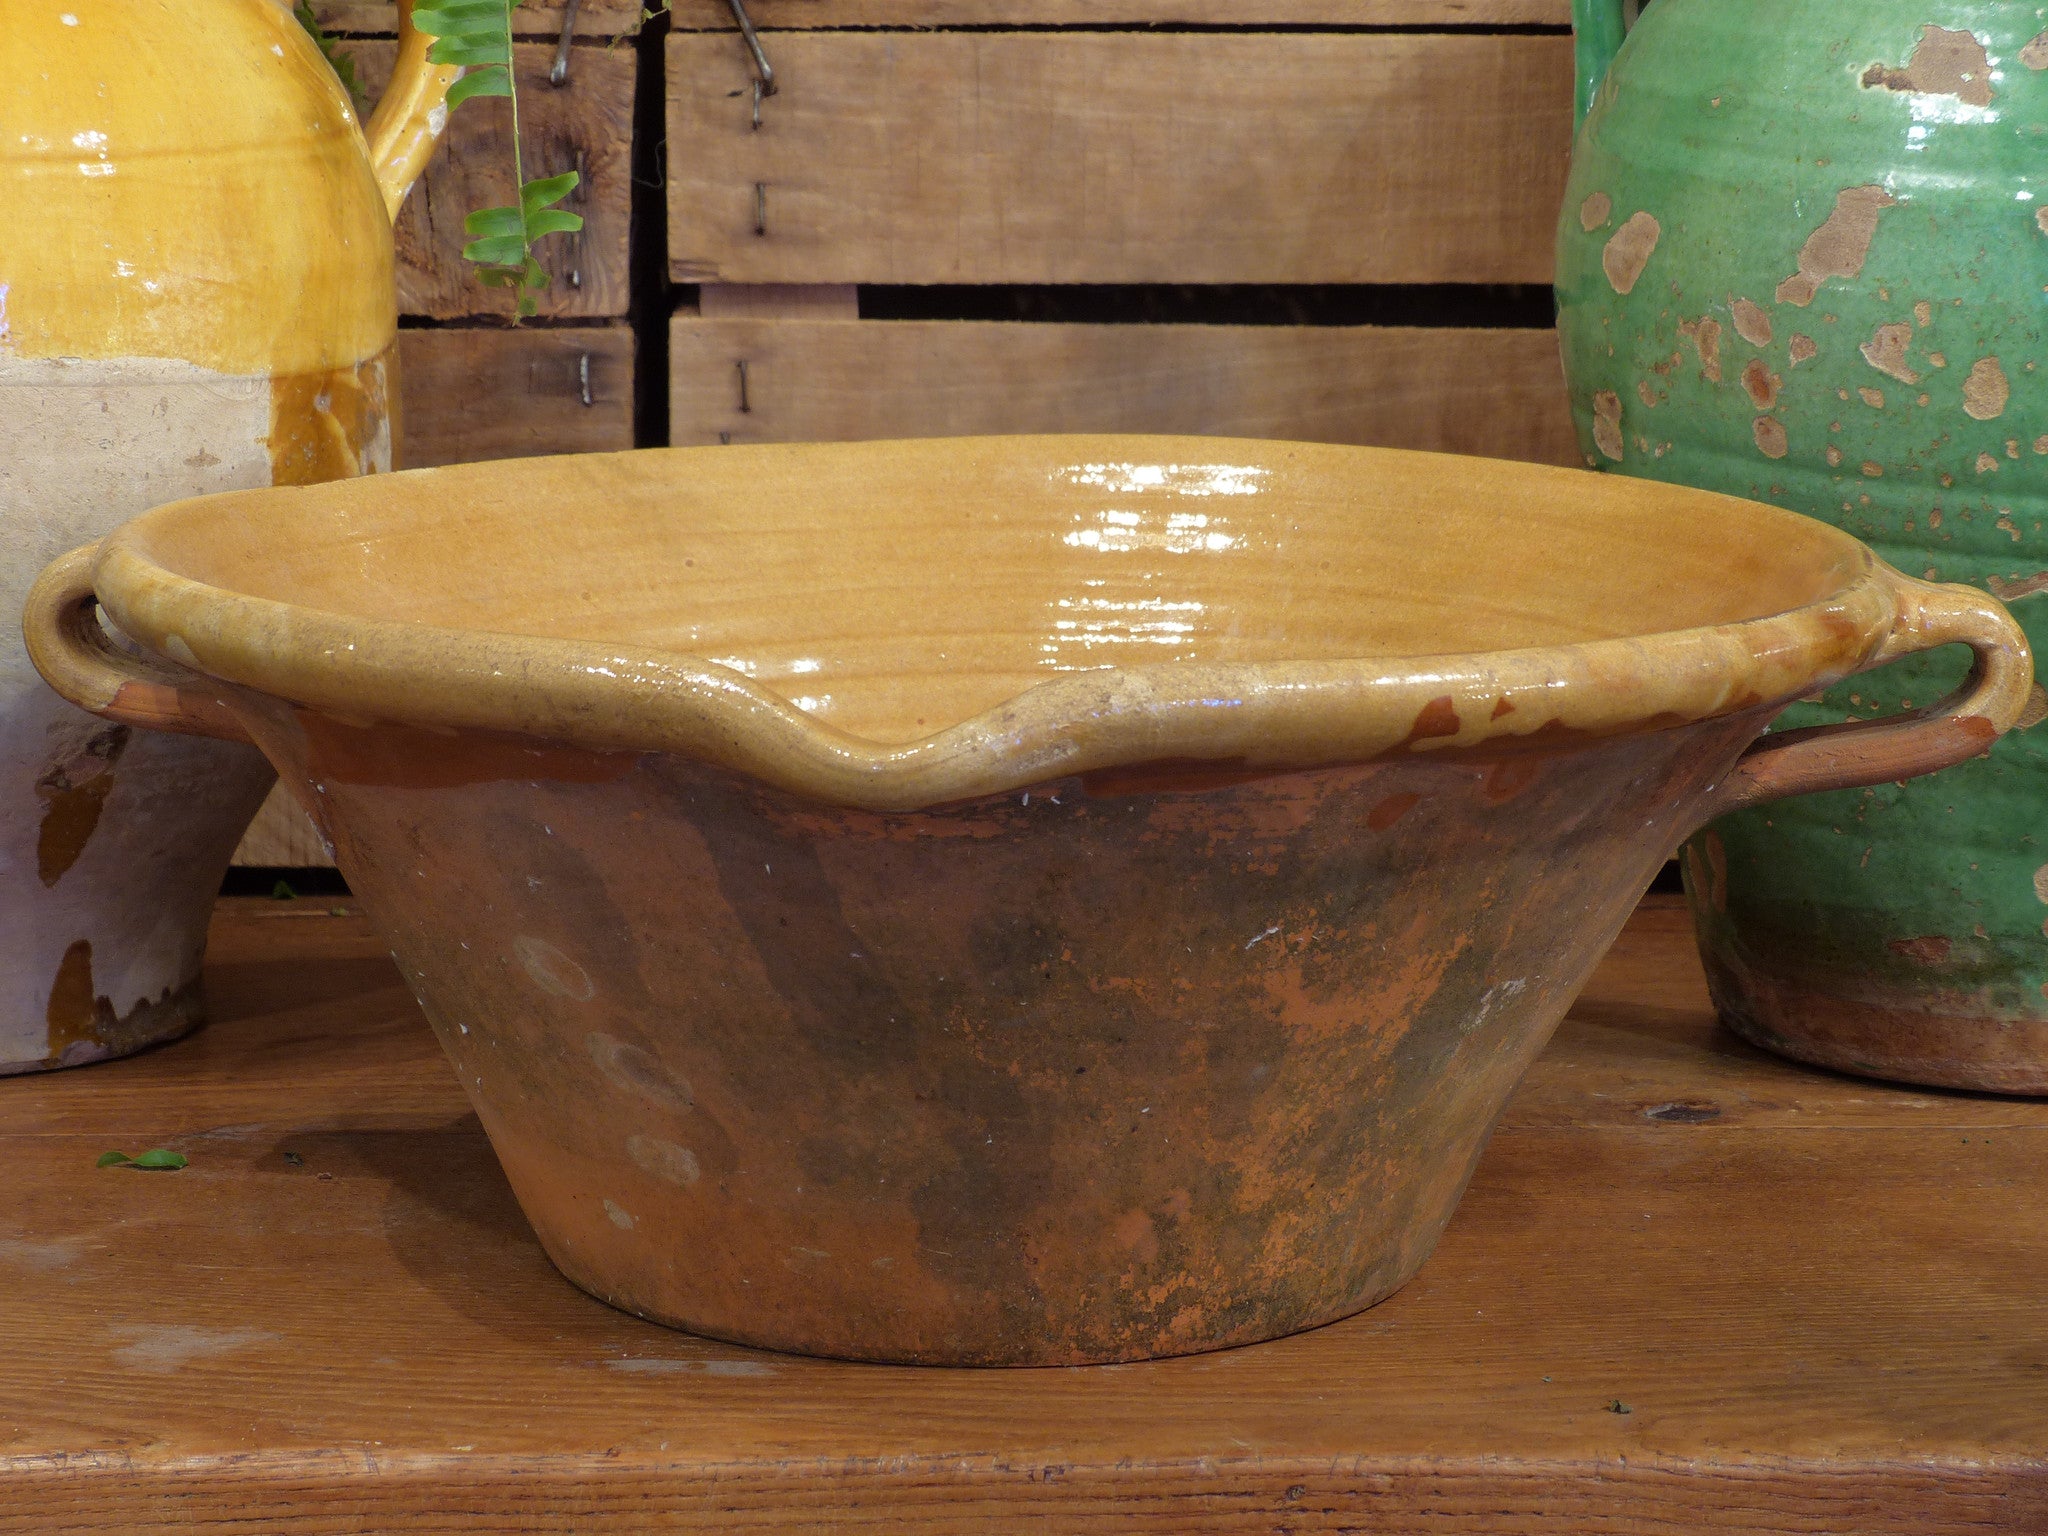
{"x": 512, "y": 392}
{"x": 1493, "y": 392}
{"x": 1087, "y": 157}
{"x": 530, "y": 18}
{"x": 585, "y": 125}
{"x": 487, "y": 393}
{"x": 1831, "y": 1324}
{"x": 716, "y": 15}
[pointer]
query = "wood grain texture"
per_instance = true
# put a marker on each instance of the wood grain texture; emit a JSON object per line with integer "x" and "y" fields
{"x": 530, "y": 18}
{"x": 509, "y": 393}
{"x": 1493, "y": 392}
{"x": 1048, "y": 157}
{"x": 585, "y": 125}
{"x": 716, "y": 15}
{"x": 1829, "y": 1318}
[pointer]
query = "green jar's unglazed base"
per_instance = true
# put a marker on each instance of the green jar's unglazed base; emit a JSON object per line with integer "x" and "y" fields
{"x": 1875, "y": 1026}
{"x": 1801, "y": 259}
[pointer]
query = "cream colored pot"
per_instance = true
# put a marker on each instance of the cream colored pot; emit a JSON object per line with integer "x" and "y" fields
{"x": 195, "y": 295}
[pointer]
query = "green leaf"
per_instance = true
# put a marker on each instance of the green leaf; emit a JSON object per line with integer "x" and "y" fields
{"x": 477, "y": 34}
{"x": 494, "y": 81}
{"x": 457, "y": 15}
{"x": 156, "y": 1157}
{"x": 546, "y": 191}
{"x": 282, "y": 891}
{"x": 473, "y": 53}
{"x": 497, "y": 251}
{"x": 493, "y": 221}
{"x": 481, "y": 19}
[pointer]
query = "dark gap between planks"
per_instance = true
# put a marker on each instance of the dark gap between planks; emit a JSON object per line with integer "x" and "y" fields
{"x": 1460, "y": 305}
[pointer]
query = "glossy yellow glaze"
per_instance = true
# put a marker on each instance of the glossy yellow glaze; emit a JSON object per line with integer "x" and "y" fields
{"x": 189, "y": 181}
{"x": 409, "y": 115}
{"x": 902, "y": 624}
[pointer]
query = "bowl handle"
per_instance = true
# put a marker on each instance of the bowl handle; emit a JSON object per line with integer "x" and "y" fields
{"x": 73, "y": 651}
{"x": 1860, "y": 752}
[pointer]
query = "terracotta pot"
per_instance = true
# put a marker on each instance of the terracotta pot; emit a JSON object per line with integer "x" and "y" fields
{"x": 1009, "y": 900}
{"x": 1801, "y": 259}
{"x": 195, "y": 294}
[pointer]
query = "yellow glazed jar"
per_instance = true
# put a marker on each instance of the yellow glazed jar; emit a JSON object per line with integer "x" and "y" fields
{"x": 196, "y": 295}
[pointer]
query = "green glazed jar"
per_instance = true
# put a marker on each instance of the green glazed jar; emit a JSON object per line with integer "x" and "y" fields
{"x": 1803, "y": 258}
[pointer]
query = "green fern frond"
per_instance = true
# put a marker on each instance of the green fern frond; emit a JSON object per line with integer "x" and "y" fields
{"x": 477, "y": 34}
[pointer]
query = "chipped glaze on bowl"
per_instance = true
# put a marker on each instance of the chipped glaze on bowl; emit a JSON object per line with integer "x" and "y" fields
{"x": 1014, "y": 901}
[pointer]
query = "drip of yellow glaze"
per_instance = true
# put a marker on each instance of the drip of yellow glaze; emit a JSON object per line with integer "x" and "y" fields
{"x": 329, "y": 425}
{"x": 74, "y": 1011}
{"x": 73, "y": 795}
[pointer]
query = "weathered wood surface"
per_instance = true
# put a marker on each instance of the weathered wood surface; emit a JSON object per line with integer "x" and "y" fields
{"x": 584, "y": 125}
{"x": 492, "y": 392}
{"x": 509, "y": 392}
{"x": 1823, "y": 1302}
{"x": 1493, "y": 392}
{"x": 716, "y": 15}
{"x": 1093, "y": 157}
{"x": 530, "y": 18}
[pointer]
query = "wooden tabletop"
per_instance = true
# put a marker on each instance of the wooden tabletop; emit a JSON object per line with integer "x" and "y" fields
{"x": 1692, "y": 1288}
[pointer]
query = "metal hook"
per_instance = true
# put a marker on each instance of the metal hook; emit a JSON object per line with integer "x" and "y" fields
{"x": 583, "y": 377}
{"x": 559, "y": 75}
{"x": 581, "y": 195}
{"x": 760, "y": 207}
{"x": 745, "y": 409}
{"x": 764, "y": 72}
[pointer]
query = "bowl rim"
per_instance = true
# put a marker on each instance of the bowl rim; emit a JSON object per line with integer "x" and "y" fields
{"x": 1250, "y": 717}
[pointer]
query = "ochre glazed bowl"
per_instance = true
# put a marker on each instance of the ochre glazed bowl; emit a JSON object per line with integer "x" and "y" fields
{"x": 1021, "y": 900}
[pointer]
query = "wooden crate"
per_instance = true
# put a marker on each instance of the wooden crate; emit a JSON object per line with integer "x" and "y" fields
{"x": 1119, "y": 157}
{"x": 1429, "y": 155}
{"x": 716, "y": 15}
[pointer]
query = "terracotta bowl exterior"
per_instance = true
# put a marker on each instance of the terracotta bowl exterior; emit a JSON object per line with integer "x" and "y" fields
{"x": 1005, "y": 901}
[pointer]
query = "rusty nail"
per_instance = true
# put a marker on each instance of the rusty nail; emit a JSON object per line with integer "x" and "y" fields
{"x": 745, "y": 409}
{"x": 581, "y": 194}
